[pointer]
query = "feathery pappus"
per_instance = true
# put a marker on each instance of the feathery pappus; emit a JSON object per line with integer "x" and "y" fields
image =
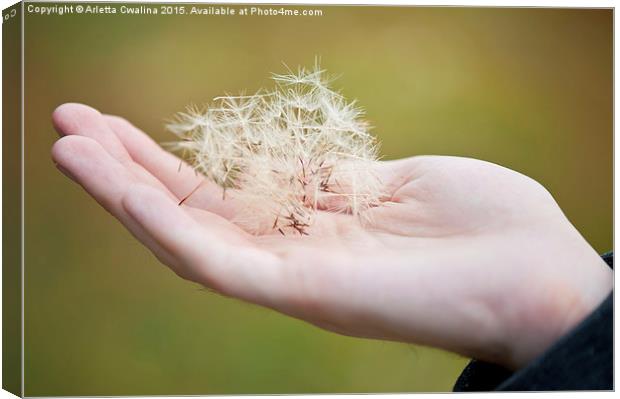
{"x": 285, "y": 154}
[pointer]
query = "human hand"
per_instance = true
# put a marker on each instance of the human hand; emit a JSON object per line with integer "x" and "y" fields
{"x": 465, "y": 255}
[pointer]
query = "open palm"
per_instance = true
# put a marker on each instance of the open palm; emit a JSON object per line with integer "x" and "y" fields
{"x": 464, "y": 254}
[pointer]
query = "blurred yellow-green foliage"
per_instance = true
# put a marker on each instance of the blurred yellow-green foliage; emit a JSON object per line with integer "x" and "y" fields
{"x": 530, "y": 89}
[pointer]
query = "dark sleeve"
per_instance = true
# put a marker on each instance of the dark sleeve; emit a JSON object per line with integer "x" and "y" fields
{"x": 580, "y": 360}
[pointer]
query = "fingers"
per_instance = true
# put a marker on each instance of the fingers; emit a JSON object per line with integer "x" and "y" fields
{"x": 93, "y": 168}
{"x": 78, "y": 119}
{"x": 104, "y": 178}
{"x": 238, "y": 269}
{"x": 177, "y": 175}
{"x": 81, "y": 120}
{"x": 219, "y": 256}
{"x": 180, "y": 178}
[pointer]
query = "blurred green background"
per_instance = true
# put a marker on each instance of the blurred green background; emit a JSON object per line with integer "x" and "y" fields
{"x": 530, "y": 89}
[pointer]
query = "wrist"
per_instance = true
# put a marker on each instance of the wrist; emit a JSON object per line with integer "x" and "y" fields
{"x": 565, "y": 298}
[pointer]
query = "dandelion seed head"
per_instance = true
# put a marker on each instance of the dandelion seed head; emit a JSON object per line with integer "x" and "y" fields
{"x": 286, "y": 153}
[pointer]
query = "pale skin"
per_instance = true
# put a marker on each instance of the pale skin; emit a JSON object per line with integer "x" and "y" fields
{"x": 463, "y": 255}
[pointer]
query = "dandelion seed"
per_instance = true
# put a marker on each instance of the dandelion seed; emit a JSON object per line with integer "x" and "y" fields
{"x": 284, "y": 153}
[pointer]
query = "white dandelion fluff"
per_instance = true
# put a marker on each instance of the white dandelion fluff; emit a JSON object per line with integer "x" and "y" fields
{"x": 284, "y": 154}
